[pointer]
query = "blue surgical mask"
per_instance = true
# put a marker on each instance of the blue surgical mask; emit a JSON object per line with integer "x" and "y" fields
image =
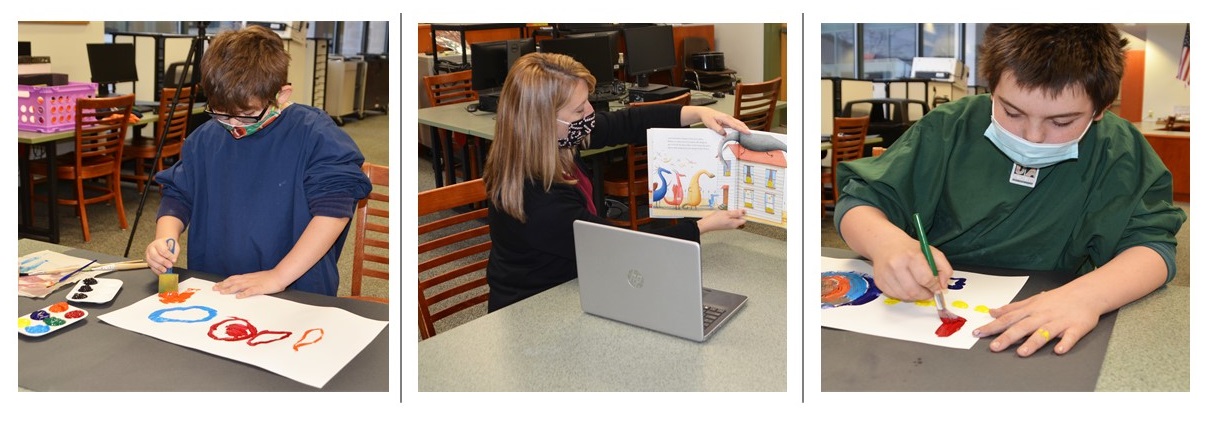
{"x": 1031, "y": 154}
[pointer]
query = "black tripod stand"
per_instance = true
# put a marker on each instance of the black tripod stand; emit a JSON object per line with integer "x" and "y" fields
{"x": 192, "y": 59}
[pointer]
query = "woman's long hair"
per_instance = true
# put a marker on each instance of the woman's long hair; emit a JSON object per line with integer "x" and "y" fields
{"x": 524, "y": 147}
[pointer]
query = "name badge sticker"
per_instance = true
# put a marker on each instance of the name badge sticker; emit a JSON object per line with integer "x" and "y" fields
{"x": 1023, "y": 176}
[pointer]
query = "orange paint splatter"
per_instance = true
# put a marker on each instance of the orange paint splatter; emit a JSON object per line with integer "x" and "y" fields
{"x": 302, "y": 341}
{"x": 177, "y": 297}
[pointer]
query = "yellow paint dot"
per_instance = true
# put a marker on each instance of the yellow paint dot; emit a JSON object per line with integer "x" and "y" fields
{"x": 23, "y": 322}
{"x": 891, "y": 301}
{"x": 982, "y": 309}
{"x": 929, "y": 303}
{"x": 959, "y": 304}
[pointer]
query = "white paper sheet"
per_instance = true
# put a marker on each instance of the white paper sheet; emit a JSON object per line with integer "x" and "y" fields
{"x": 917, "y": 321}
{"x": 306, "y": 355}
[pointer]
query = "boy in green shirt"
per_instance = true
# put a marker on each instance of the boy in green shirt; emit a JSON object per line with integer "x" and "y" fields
{"x": 1036, "y": 175}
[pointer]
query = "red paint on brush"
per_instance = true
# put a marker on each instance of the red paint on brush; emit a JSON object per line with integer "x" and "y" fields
{"x": 950, "y": 326}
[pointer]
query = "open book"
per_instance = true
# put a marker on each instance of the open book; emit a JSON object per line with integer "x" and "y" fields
{"x": 693, "y": 171}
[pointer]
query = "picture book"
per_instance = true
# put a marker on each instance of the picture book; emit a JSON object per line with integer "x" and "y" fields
{"x": 694, "y": 171}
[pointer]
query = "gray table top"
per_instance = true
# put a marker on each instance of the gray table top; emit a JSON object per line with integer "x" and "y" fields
{"x": 94, "y": 356}
{"x": 1144, "y": 346}
{"x": 546, "y": 343}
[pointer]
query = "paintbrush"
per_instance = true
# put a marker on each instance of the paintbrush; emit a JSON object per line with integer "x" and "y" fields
{"x": 69, "y": 275}
{"x": 168, "y": 280}
{"x": 939, "y": 302}
{"x": 114, "y": 266}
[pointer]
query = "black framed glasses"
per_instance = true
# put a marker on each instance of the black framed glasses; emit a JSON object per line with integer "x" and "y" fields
{"x": 246, "y": 120}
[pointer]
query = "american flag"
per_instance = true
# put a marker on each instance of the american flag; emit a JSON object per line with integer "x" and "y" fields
{"x": 1184, "y": 62}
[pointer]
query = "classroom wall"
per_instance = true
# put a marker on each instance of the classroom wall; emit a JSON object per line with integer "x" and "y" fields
{"x": 1163, "y": 92}
{"x": 64, "y": 44}
{"x": 741, "y": 44}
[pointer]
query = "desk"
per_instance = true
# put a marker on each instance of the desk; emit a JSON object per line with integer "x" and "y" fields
{"x": 46, "y": 143}
{"x": 545, "y": 343}
{"x": 456, "y": 118}
{"x": 94, "y": 356}
{"x": 1148, "y": 349}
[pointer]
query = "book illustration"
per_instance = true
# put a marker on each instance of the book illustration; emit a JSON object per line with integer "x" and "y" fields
{"x": 695, "y": 171}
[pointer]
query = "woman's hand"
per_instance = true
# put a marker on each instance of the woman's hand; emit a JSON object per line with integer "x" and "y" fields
{"x": 722, "y": 220}
{"x": 714, "y": 120}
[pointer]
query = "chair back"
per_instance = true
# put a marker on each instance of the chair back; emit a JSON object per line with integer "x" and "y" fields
{"x": 683, "y": 99}
{"x": 371, "y": 234}
{"x": 100, "y": 132}
{"x": 453, "y": 252}
{"x": 449, "y": 88}
{"x": 846, "y": 143}
{"x": 755, "y": 103}
{"x": 177, "y": 119}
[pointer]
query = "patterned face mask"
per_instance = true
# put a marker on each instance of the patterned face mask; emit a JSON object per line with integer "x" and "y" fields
{"x": 238, "y": 132}
{"x": 577, "y": 130}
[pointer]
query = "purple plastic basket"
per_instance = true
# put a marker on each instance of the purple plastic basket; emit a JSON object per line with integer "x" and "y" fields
{"x": 50, "y": 108}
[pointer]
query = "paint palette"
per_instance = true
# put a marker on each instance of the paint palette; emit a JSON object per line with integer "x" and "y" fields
{"x": 49, "y": 319}
{"x": 95, "y": 290}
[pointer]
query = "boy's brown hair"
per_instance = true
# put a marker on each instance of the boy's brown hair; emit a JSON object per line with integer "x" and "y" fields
{"x": 1056, "y": 57}
{"x": 244, "y": 69}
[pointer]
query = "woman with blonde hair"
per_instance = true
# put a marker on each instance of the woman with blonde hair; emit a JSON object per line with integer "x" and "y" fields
{"x": 536, "y": 184}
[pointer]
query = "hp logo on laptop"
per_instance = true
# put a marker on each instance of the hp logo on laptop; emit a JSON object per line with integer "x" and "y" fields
{"x": 635, "y": 279}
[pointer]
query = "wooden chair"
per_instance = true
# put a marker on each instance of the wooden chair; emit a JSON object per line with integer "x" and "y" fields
{"x": 453, "y": 88}
{"x": 100, "y": 131}
{"x": 453, "y": 252}
{"x": 846, "y": 142}
{"x": 630, "y": 178}
{"x": 371, "y": 235}
{"x": 755, "y": 103}
{"x": 142, "y": 150}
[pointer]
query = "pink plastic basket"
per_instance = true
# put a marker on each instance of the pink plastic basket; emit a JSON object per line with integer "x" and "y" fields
{"x": 50, "y": 108}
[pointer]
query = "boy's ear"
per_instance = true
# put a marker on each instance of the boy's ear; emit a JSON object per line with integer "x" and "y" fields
{"x": 285, "y": 93}
{"x": 1099, "y": 116}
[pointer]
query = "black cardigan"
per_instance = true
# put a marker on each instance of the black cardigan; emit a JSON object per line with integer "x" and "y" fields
{"x": 528, "y": 258}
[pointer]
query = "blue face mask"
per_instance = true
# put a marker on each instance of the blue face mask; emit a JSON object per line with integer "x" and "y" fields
{"x": 1031, "y": 154}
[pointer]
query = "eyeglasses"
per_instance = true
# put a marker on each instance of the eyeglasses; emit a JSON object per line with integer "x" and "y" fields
{"x": 246, "y": 120}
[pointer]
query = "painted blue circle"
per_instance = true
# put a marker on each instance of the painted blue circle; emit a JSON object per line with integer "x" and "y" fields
{"x": 158, "y": 316}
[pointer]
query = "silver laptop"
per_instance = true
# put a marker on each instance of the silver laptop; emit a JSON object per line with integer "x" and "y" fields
{"x": 648, "y": 280}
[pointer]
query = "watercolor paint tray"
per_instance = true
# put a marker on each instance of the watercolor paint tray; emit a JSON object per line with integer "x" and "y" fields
{"x": 49, "y": 319}
{"x": 95, "y": 290}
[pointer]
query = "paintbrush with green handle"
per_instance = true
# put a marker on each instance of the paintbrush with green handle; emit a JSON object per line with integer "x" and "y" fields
{"x": 939, "y": 302}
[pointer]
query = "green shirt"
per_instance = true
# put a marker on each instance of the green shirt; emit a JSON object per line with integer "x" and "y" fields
{"x": 1078, "y": 215}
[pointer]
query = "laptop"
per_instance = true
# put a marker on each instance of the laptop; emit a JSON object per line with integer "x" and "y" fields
{"x": 648, "y": 280}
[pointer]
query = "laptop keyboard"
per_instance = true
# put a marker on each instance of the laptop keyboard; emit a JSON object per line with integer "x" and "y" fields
{"x": 710, "y": 314}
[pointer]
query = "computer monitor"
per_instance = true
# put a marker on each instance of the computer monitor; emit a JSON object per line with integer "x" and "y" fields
{"x": 110, "y": 64}
{"x": 490, "y": 61}
{"x": 596, "y": 53}
{"x": 649, "y": 49}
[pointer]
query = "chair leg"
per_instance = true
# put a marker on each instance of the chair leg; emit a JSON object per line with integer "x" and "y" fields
{"x": 80, "y": 210}
{"x": 116, "y": 185}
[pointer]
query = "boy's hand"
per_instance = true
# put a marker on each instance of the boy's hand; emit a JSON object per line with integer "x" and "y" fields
{"x": 901, "y": 270}
{"x": 252, "y": 284}
{"x": 1039, "y": 319}
{"x": 158, "y": 256}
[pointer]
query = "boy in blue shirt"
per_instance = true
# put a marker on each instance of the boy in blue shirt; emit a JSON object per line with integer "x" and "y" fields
{"x": 267, "y": 187}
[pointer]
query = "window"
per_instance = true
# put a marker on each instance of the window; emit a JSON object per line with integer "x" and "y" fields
{"x": 887, "y": 49}
{"x": 837, "y": 50}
